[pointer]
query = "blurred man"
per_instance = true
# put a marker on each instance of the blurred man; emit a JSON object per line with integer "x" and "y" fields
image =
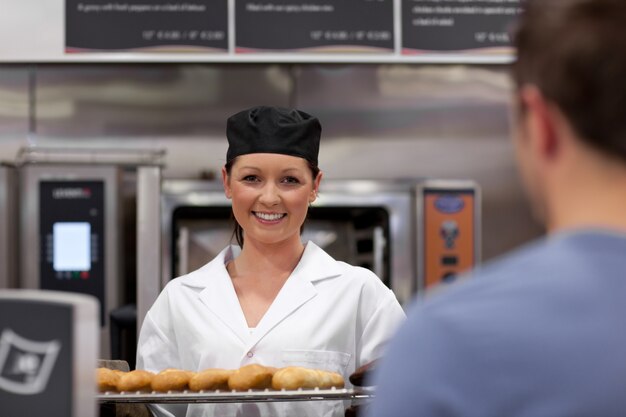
{"x": 541, "y": 332}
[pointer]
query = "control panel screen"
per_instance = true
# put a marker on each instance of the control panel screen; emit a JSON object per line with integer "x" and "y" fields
{"x": 71, "y": 247}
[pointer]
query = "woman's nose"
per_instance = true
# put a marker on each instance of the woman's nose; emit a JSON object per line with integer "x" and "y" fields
{"x": 270, "y": 195}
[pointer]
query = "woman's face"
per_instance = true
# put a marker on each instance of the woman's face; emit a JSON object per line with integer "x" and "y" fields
{"x": 270, "y": 195}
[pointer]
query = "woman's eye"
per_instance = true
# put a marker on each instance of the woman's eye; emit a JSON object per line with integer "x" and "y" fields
{"x": 291, "y": 180}
{"x": 250, "y": 178}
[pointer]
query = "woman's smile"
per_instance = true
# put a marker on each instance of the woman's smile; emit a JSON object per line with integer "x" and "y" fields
{"x": 269, "y": 218}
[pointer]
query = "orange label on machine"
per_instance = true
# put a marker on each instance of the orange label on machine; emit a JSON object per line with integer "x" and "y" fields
{"x": 449, "y": 234}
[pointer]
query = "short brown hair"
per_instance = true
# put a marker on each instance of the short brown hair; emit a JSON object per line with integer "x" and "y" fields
{"x": 574, "y": 51}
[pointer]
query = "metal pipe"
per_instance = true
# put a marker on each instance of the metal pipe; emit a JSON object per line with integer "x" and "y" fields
{"x": 148, "y": 239}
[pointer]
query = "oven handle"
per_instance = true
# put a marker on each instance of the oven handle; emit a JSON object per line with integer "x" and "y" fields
{"x": 182, "y": 244}
{"x": 379, "y": 251}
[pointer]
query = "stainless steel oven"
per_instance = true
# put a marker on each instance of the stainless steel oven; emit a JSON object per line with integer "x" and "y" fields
{"x": 374, "y": 224}
{"x": 365, "y": 223}
{"x": 86, "y": 217}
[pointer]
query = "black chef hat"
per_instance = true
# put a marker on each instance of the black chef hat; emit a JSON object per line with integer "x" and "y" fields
{"x": 266, "y": 129}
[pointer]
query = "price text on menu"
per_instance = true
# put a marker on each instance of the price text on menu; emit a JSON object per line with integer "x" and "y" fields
{"x": 316, "y": 26}
{"x": 457, "y": 25}
{"x": 146, "y": 25}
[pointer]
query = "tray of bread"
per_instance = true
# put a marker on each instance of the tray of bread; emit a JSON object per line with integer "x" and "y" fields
{"x": 251, "y": 383}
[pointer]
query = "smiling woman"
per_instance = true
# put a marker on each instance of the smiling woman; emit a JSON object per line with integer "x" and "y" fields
{"x": 291, "y": 176}
{"x": 275, "y": 301}
{"x": 273, "y": 190}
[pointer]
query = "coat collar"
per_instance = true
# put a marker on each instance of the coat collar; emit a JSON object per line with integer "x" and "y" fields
{"x": 218, "y": 294}
{"x": 314, "y": 265}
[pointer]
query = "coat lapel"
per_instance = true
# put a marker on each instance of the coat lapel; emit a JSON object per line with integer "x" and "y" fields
{"x": 299, "y": 288}
{"x": 218, "y": 294}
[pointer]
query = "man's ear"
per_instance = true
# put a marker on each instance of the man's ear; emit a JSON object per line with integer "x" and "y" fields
{"x": 226, "y": 183}
{"x": 541, "y": 119}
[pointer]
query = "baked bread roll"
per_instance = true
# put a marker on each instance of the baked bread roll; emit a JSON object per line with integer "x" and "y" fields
{"x": 210, "y": 379}
{"x": 137, "y": 380}
{"x": 107, "y": 379}
{"x": 296, "y": 377}
{"x": 251, "y": 377}
{"x": 171, "y": 380}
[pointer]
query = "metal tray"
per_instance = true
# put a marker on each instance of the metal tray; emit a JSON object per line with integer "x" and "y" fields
{"x": 234, "y": 396}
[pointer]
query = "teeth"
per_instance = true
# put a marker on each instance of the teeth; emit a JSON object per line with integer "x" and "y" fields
{"x": 269, "y": 216}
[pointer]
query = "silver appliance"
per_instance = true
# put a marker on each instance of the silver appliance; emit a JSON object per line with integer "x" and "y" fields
{"x": 86, "y": 217}
{"x": 70, "y": 231}
{"x": 8, "y": 226}
{"x": 375, "y": 224}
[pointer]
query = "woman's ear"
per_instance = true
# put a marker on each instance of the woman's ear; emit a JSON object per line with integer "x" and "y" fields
{"x": 226, "y": 183}
{"x": 316, "y": 187}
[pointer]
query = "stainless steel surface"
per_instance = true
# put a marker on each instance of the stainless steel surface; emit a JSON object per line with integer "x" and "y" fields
{"x": 236, "y": 397}
{"x": 14, "y": 101}
{"x": 176, "y": 193}
{"x": 183, "y": 246}
{"x": 150, "y": 101}
{"x": 148, "y": 239}
{"x": 396, "y": 198}
{"x": 380, "y": 122}
{"x": 411, "y": 103}
{"x": 87, "y": 349}
{"x": 8, "y": 227}
{"x": 15, "y": 108}
{"x": 91, "y": 155}
{"x": 30, "y": 176}
{"x": 379, "y": 243}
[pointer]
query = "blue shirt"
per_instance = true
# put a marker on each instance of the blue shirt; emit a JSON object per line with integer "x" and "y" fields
{"x": 541, "y": 332}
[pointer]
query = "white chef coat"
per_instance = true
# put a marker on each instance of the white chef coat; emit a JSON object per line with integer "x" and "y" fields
{"x": 328, "y": 315}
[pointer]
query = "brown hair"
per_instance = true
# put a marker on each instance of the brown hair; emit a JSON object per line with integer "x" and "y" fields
{"x": 574, "y": 51}
{"x": 237, "y": 229}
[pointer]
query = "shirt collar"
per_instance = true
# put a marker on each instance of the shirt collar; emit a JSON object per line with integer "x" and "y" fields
{"x": 315, "y": 265}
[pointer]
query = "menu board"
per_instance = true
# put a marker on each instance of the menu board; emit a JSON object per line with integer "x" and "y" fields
{"x": 467, "y": 26}
{"x": 328, "y": 26}
{"x": 146, "y": 26}
{"x": 281, "y": 30}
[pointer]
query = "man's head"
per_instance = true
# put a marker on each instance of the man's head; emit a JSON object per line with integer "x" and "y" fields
{"x": 570, "y": 79}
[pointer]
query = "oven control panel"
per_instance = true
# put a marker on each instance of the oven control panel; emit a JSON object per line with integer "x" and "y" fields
{"x": 71, "y": 228}
{"x": 449, "y": 230}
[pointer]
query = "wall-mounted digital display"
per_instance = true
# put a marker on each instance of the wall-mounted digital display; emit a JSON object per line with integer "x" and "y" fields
{"x": 71, "y": 246}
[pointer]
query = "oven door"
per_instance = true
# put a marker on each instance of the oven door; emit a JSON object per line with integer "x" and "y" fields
{"x": 363, "y": 223}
